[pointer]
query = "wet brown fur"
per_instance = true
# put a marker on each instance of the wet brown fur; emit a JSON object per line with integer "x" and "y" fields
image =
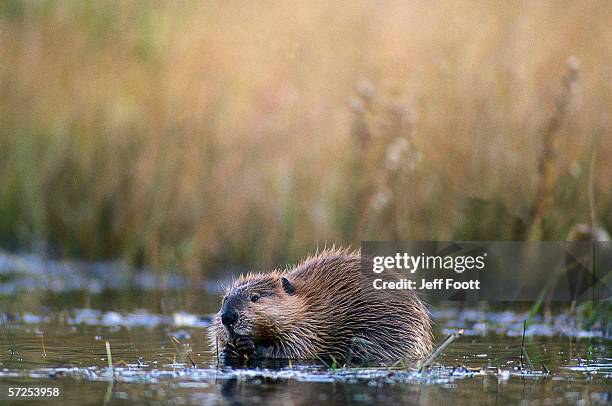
{"x": 334, "y": 312}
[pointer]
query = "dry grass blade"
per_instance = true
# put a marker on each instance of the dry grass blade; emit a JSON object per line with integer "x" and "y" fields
{"x": 179, "y": 161}
{"x": 438, "y": 351}
{"x": 109, "y": 360}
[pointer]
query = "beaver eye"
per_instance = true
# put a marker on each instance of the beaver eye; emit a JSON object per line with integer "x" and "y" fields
{"x": 254, "y": 297}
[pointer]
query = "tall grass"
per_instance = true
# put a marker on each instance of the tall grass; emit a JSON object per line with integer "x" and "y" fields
{"x": 196, "y": 134}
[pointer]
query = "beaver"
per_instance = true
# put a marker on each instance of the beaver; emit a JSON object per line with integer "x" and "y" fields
{"x": 325, "y": 307}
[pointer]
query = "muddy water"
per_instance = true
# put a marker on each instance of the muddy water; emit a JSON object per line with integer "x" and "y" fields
{"x": 159, "y": 353}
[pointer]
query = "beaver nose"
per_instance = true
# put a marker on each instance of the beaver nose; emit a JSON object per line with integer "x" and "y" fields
{"x": 229, "y": 317}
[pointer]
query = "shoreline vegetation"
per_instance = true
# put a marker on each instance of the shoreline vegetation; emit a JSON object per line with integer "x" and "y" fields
{"x": 200, "y": 135}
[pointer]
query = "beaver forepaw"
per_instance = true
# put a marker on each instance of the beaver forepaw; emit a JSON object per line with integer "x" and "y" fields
{"x": 229, "y": 351}
{"x": 240, "y": 347}
{"x": 245, "y": 345}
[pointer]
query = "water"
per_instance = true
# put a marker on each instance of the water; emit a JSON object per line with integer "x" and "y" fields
{"x": 160, "y": 354}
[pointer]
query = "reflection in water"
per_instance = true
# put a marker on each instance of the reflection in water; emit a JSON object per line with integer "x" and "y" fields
{"x": 229, "y": 391}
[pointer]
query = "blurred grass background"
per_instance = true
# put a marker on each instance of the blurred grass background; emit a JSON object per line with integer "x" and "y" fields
{"x": 193, "y": 135}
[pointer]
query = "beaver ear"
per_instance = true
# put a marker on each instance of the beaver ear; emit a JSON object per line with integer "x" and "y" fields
{"x": 287, "y": 286}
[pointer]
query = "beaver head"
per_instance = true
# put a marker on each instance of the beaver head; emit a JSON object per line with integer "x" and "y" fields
{"x": 255, "y": 307}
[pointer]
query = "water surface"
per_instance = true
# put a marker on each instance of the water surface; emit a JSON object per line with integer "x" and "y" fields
{"x": 160, "y": 353}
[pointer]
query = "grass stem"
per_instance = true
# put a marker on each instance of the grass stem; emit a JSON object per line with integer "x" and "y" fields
{"x": 523, "y": 343}
{"x": 42, "y": 341}
{"x": 109, "y": 359}
{"x": 449, "y": 340}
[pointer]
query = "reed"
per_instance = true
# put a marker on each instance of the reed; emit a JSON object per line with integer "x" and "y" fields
{"x": 197, "y": 135}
